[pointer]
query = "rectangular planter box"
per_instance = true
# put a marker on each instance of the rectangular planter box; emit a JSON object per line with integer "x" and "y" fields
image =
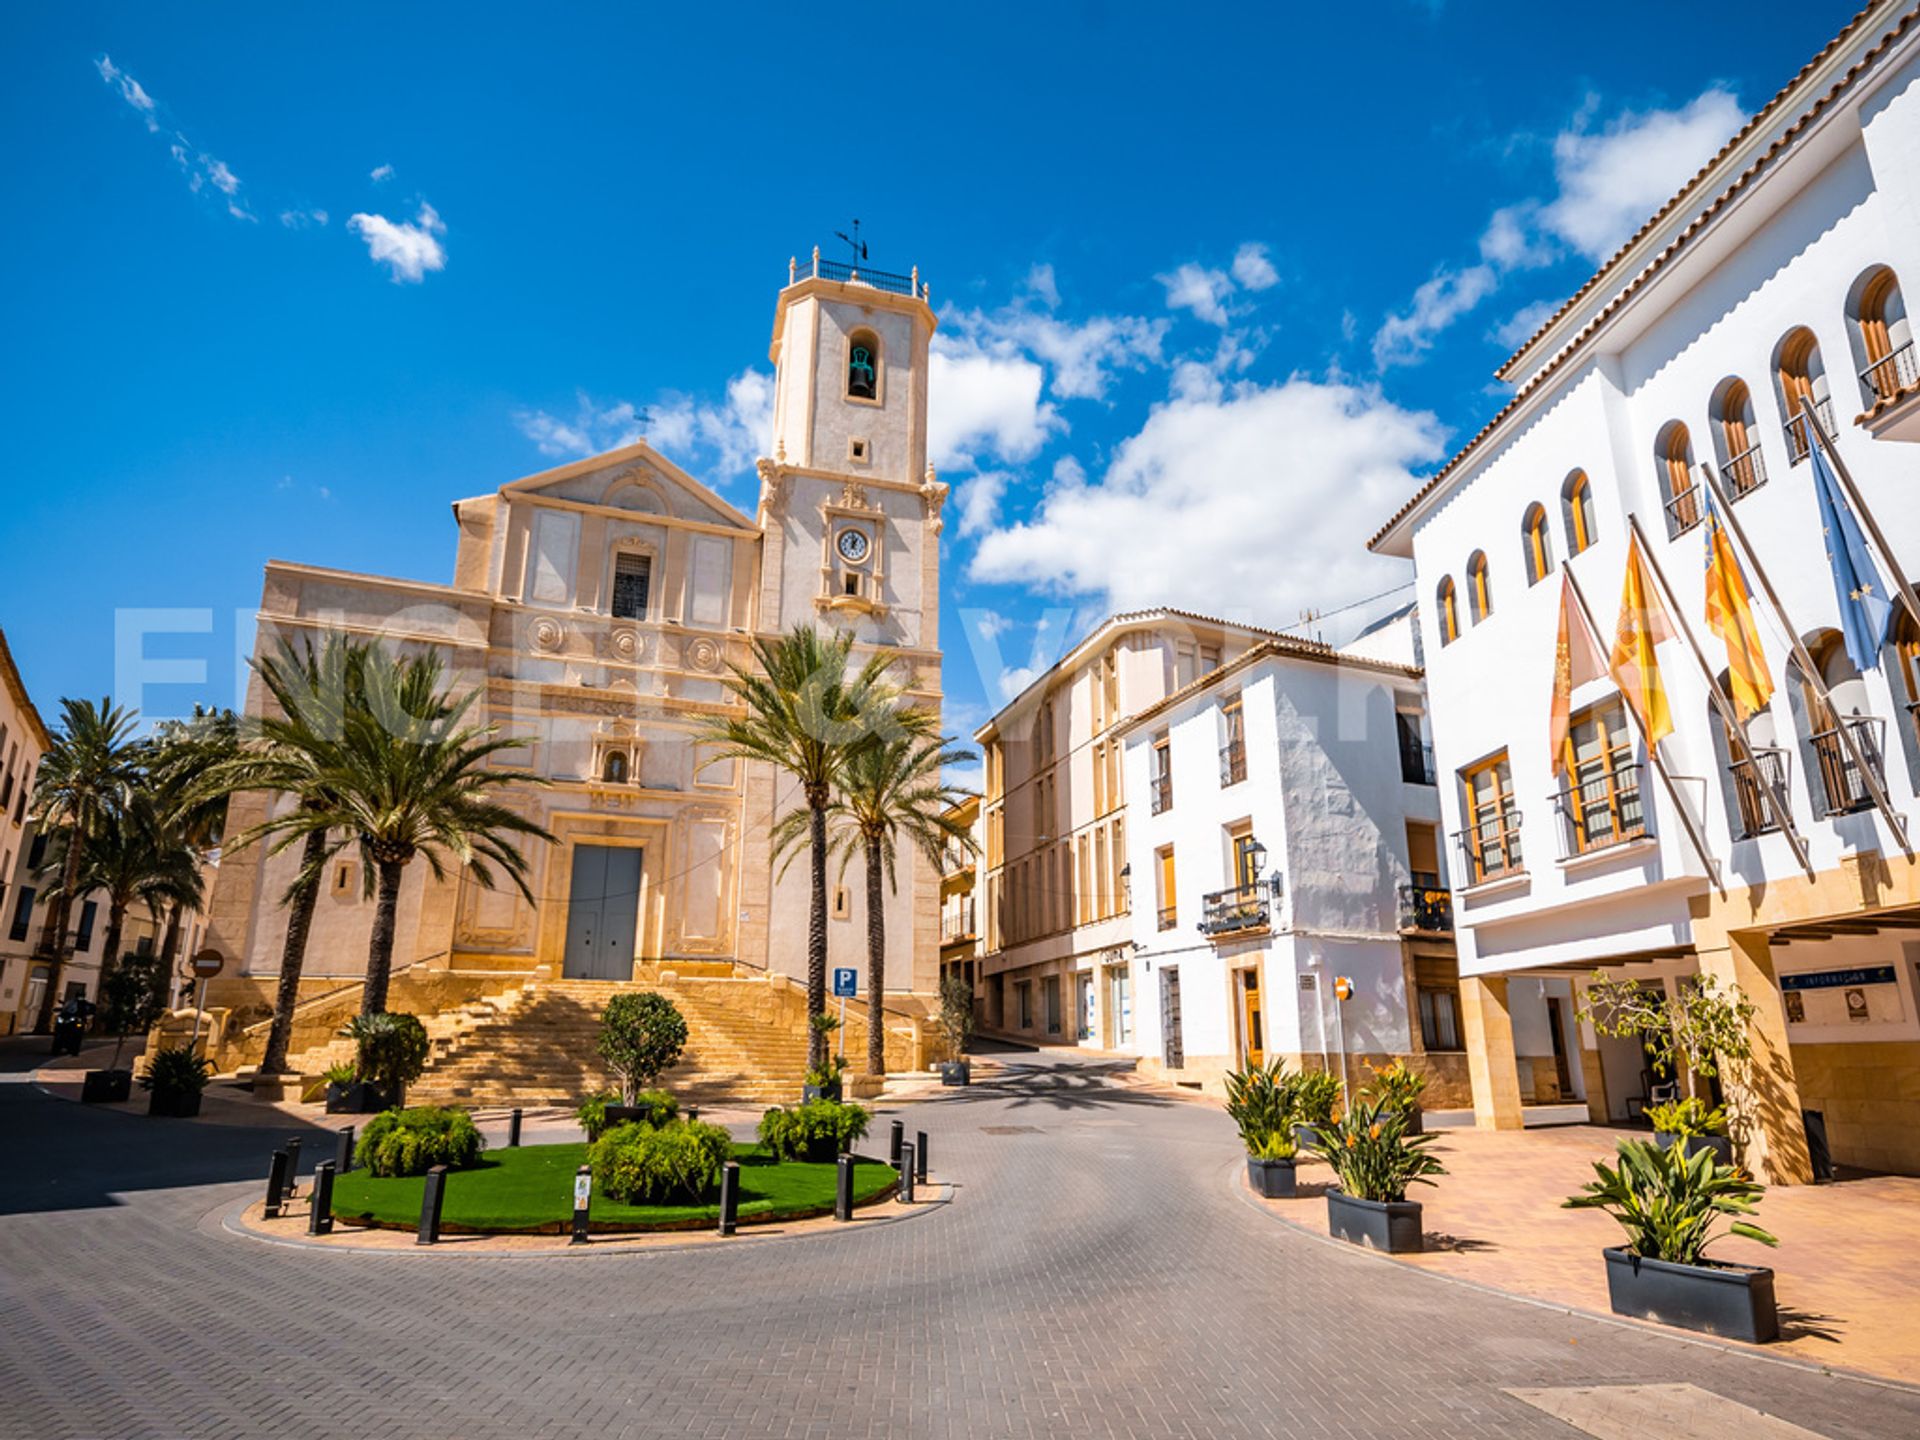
{"x": 1390, "y": 1225}
{"x": 359, "y": 1098}
{"x": 176, "y": 1104}
{"x": 956, "y": 1072}
{"x": 106, "y": 1087}
{"x": 819, "y": 1092}
{"x": 1734, "y": 1301}
{"x": 1273, "y": 1179}
{"x": 1721, "y": 1145}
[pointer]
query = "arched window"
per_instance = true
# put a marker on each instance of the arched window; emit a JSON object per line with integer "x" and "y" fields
{"x": 863, "y": 365}
{"x": 1882, "y": 339}
{"x": 1736, "y": 441}
{"x": 1447, "y": 608}
{"x": 1576, "y": 498}
{"x": 1479, "y": 593}
{"x": 1842, "y": 786}
{"x": 1673, "y": 449}
{"x": 1802, "y": 379}
{"x": 1535, "y": 544}
{"x": 614, "y": 771}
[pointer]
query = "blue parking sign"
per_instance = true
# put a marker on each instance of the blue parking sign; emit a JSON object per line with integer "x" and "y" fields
{"x": 846, "y": 981}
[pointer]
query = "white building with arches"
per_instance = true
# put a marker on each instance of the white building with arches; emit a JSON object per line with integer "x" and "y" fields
{"x": 1763, "y": 298}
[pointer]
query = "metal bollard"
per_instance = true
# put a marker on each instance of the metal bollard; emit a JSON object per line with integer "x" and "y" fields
{"x": 920, "y": 1156}
{"x": 343, "y": 1150}
{"x": 320, "y": 1202}
{"x": 729, "y": 1197}
{"x": 276, "y": 1184}
{"x": 582, "y": 1203}
{"x": 906, "y": 1174}
{"x": 430, "y": 1202}
{"x": 293, "y": 1165}
{"x": 513, "y": 1130}
{"x": 894, "y": 1141}
{"x": 843, "y": 1190}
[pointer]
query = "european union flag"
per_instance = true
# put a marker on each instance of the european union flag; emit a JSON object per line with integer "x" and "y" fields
{"x": 1865, "y": 609}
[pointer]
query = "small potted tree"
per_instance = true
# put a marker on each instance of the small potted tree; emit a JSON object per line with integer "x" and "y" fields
{"x": 1315, "y": 1094}
{"x": 1261, "y": 1103}
{"x": 956, "y": 1028}
{"x": 130, "y": 1001}
{"x": 390, "y": 1052}
{"x": 1669, "y": 1201}
{"x": 640, "y": 1036}
{"x": 1700, "y": 1031}
{"x": 1376, "y": 1160}
{"x": 175, "y": 1077}
{"x": 824, "y": 1081}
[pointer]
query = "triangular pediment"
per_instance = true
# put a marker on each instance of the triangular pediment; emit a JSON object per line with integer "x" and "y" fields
{"x": 636, "y": 479}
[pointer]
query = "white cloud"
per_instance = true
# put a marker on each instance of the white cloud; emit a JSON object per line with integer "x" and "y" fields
{"x": 129, "y": 89}
{"x": 1520, "y": 327}
{"x": 1081, "y": 356}
{"x": 1405, "y": 338}
{"x": 201, "y": 169}
{"x": 1202, "y": 290}
{"x": 407, "y": 248}
{"x": 1247, "y": 502}
{"x": 1253, "y": 269}
{"x": 1511, "y": 241}
{"x": 723, "y": 439}
{"x": 979, "y": 501}
{"x": 381, "y": 172}
{"x": 985, "y": 400}
{"x": 1041, "y": 283}
{"x": 303, "y": 219}
{"x": 1612, "y": 180}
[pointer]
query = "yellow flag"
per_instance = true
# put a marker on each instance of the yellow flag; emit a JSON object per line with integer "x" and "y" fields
{"x": 1730, "y": 616}
{"x": 1576, "y": 660}
{"x": 1635, "y": 668}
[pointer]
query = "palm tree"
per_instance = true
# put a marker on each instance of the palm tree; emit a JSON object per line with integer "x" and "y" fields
{"x": 181, "y": 754}
{"x": 890, "y": 791}
{"x": 806, "y": 708}
{"x": 133, "y": 857}
{"x": 83, "y": 778}
{"x": 405, "y": 775}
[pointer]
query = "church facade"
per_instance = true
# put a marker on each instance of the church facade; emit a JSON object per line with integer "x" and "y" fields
{"x": 598, "y": 606}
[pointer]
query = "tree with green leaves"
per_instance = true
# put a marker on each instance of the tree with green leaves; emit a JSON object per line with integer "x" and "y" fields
{"x": 407, "y": 775}
{"x": 83, "y": 780}
{"x": 1700, "y": 1029}
{"x": 133, "y": 857}
{"x": 805, "y": 706}
{"x": 178, "y": 757}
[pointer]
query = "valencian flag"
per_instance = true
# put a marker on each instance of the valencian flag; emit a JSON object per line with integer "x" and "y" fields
{"x": 1644, "y": 623}
{"x": 1730, "y": 616}
{"x": 1865, "y": 609}
{"x": 1576, "y": 660}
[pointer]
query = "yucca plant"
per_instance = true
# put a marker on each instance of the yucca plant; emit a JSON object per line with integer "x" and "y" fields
{"x": 1671, "y": 1202}
{"x": 177, "y": 1070}
{"x": 1374, "y": 1156}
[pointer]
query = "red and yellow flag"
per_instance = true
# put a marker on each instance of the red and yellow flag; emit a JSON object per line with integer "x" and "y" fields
{"x": 1576, "y": 660}
{"x": 1644, "y": 624}
{"x": 1730, "y": 616}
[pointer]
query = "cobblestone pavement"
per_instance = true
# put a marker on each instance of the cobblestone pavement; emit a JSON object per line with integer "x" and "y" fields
{"x": 1094, "y": 1275}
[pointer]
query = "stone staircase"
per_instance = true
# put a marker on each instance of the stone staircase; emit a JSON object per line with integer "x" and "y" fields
{"x": 443, "y": 1028}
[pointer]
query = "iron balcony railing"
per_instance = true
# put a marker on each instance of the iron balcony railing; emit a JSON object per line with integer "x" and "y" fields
{"x": 818, "y": 269}
{"x": 1747, "y": 471}
{"x": 1161, "y": 787}
{"x": 1600, "y": 812}
{"x": 1244, "y": 907}
{"x": 1797, "y": 437}
{"x": 1490, "y": 848}
{"x": 1846, "y": 788}
{"x": 1684, "y": 511}
{"x": 1233, "y": 762}
{"x": 1769, "y": 768}
{"x": 1416, "y": 761}
{"x": 1426, "y": 906}
{"x": 1169, "y": 916}
{"x": 1893, "y": 374}
{"x": 959, "y": 924}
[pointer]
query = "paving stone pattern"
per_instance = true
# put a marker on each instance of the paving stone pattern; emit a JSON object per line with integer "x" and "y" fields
{"x": 1094, "y": 1276}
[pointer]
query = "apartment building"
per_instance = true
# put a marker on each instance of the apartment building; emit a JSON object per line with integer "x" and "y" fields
{"x": 23, "y": 740}
{"x": 1055, "y": 954}
{"x": 1732, "y": 398}
{"x": 959, "y": 905}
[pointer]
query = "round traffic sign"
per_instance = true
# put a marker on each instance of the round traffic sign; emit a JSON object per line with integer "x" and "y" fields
{"x": 1343, "y": 987}
{"x": 208, "y": 963}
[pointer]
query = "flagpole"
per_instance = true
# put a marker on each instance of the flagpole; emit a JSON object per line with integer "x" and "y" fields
{"x": 1736, "y": 733}
{"x": 1855, "y": 499}
{"x": 1653, "y": 750}
{"x": 1809, "y": 672}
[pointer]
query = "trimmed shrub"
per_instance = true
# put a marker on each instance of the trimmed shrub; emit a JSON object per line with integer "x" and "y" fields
{"x": 662, "y": 1109}
{"x": 411, "y": 1142}
{"x": 641, "y": 1035}
{"x": 639, "y": 1165}
{"x": 790, "y": 1133}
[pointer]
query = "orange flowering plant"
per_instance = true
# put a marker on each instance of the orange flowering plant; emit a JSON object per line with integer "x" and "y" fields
{"x": 1372, "y": 1153}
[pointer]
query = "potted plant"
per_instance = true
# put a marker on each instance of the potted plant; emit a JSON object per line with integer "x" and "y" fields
{"x": 1376, "y": 1160}
{"x": 818, "y": 1131}
{"x": 1261, "y": 1102}
{"x": 390, "y": 1051}
{"x": 956, "y": 1028}
{"x": 176, "y": 1076}
{"x": 640, "y": 1036}
{"x": 343, "y": 1088}
{"x": 1315, "y": 1093}
{"x": 131, "y": 999}
{"x": 1669, "y": 1201}
{"x": 824, "y": 1081}
{"x": 652, "y": 1108}
{"x": 1699, "y": 1031}
{"x": 1399, "y": 1088}
{"x": 1693, "y": 1125}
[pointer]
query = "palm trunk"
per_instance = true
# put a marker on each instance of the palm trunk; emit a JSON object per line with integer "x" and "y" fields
{"x": 53, "y": 936}
{"x": 110, "y": 951}
{"x": 817, "y": 933}
{"x": 380, "y": 947}
{"x": 876, "y": 964}
{"x": 169, "y": 948}
{"x": 293, "y": 955}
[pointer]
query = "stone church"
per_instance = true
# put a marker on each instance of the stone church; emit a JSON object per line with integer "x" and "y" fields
{"x": 599, "y": 605}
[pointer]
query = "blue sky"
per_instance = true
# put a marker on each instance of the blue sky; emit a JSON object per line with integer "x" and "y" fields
{"x": 1214, "y": 291}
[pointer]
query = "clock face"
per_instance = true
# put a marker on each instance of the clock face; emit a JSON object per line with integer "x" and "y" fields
{"x": 852, "y": 545}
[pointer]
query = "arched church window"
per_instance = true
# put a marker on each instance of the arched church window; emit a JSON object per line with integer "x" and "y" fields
{"x": 614, "y": 772}
{"x": 863, "y": 365}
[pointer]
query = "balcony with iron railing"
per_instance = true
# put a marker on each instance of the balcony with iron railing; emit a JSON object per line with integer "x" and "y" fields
{"x": 958, "y": 923}
{"x": 1416, "y": 762}
{"x": 1768, "y": 768}
{"x": 1169, "y": 916}
{"x": 1745, "y": 472}
{"x": 1426, "y": 906}
{"x": 1845, "y": 788}
{"x": 1160, "y": 787}
{"x": 1240, "y": 909}
{"x": 1797, "y": 437}
{"x": 1601, "y": 812}
{"x": 1892, "y": 375}
{"x": 1490, "y": 848}
{"x": 818, "y": 269}
{"x": 1233, "y": 762}
{"x": 1684, "y": 511}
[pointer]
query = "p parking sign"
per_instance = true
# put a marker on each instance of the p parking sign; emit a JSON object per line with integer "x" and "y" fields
{"x": 846, "y": 982}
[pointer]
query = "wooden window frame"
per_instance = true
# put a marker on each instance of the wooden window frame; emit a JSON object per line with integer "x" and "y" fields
{"x": 1500, "y": 813}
